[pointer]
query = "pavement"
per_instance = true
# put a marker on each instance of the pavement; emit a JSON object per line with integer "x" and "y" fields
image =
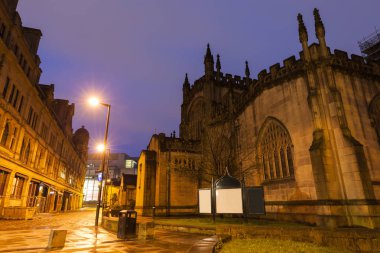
{"x": 83, "y": 236}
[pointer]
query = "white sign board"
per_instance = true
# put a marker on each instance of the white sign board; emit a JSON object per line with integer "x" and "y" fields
{"x": 204, "y": 201}
{"x": 229, "y": 201}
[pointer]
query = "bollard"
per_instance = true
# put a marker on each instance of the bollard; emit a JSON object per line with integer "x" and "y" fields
{"x": 57, "y": 238}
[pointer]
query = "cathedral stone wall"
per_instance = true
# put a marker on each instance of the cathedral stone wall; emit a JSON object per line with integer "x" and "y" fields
{"x": 286, "y": 103}
{"x": 307, "y": 131}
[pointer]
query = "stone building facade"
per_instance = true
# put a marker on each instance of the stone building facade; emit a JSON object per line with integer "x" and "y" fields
{"x": 42, "y": 162}
{"x": 307, "y": 132}
{"x": 166, "y": 178}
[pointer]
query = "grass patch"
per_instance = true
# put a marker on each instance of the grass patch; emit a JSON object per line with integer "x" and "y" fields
{"x": 273, "y": 245}
{"x": 208, "y": 223}
{"x": 199, "y": 222}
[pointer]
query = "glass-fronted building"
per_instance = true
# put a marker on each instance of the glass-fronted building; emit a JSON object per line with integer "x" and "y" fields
{"x": 116, "y": 164}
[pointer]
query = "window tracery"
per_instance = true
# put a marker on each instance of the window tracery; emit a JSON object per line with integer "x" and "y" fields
{"x": 275, "y": 150}
{"x": 185, "y": 165}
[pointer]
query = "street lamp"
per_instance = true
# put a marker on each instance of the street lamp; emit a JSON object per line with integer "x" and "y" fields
{"x": 95, "y": 102}
{"x": 100, "y": 148}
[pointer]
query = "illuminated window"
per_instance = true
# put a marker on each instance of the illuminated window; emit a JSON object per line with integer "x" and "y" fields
{"x": 130, "y": 164}
{"x": 62, "y": 173}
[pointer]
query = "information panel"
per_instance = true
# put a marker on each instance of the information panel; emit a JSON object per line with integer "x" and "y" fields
{"x": 229, "y": 201}
{"x": 255, "y": 200}
{"x": 204, "y": 201}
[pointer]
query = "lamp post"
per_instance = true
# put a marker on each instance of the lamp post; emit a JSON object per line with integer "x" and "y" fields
{"x": 106, "y": 178}
{"x": 95, "y": 102}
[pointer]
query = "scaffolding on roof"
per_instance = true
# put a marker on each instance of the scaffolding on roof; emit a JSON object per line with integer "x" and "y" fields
{"x": 370, "y": 46}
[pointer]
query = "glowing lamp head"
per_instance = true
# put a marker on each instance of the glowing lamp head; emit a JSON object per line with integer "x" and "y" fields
{"x": 100, "y": 148}
{"x": 93, "y": 101}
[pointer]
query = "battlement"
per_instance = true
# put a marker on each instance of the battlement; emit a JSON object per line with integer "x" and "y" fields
{"x": 265, "y": 80}
{"x": 236, "y": 81}
{"x": 356, "y": 64}
{"x": 277, "y": 71}
{"x": 343, "y": 55}
{"x": 173, "y": 144}
{"x": 223, "y": 79}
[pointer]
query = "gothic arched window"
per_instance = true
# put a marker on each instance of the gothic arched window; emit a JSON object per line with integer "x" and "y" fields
{"x": 275, "y": 150}
{"x": 5, "y": 135}
{"x": 374, "y": 113}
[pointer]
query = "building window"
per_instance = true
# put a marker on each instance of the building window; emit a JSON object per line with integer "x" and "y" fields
{"x": 34, "y": 124}
{"x": 49, "y": 165}
{"x": 44, "y": 131}
{"x": 13, "y": 140}
{"x": 130, "y": 164}
{"x": 12, "y": 94}
{"x": 15, "y": 100}
{"x": 62, "y": 173}
{"x": 38, "y": 162}
{"x": 275, "y": 150}
{"x": 6, "y": 87}
{"x": 23, "y": 145}
{"x": 5, "y": 135}
{"x": 25, "y": 151}
{"x": 2, "y": 30}
{"x": 15, "y": 50}
{"x": 21, "y": 104}
{"x": 3, "y": 180}
{"x": 17, "y": 184}
{"x": 30, "y": 114}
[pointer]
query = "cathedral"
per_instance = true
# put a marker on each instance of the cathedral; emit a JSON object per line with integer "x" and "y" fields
{"x": 307, "y": 131}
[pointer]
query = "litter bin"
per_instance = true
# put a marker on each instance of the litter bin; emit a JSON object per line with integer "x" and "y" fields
{"x": 127, "y": 224}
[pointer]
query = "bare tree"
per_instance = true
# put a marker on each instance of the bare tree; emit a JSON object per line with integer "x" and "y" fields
{"x": 221, "y": 148}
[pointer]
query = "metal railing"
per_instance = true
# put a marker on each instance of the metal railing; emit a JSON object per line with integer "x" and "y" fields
{"x": 38, "y": 202}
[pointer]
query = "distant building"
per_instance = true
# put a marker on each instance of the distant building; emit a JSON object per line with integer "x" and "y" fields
{"x": 127, "y": 191}
{"x": 306, "y": 132}
{"x": 117, "y": 164}
{"x": 42, "y": 162}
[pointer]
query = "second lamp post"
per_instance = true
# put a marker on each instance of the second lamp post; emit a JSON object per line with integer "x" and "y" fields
{"x": 95, "y": 102}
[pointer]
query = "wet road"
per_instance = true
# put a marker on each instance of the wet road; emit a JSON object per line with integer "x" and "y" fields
{"x": 82, "y": 236}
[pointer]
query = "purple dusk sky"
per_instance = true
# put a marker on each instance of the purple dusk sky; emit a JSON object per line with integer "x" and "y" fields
{"x": 134, "y": 54}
